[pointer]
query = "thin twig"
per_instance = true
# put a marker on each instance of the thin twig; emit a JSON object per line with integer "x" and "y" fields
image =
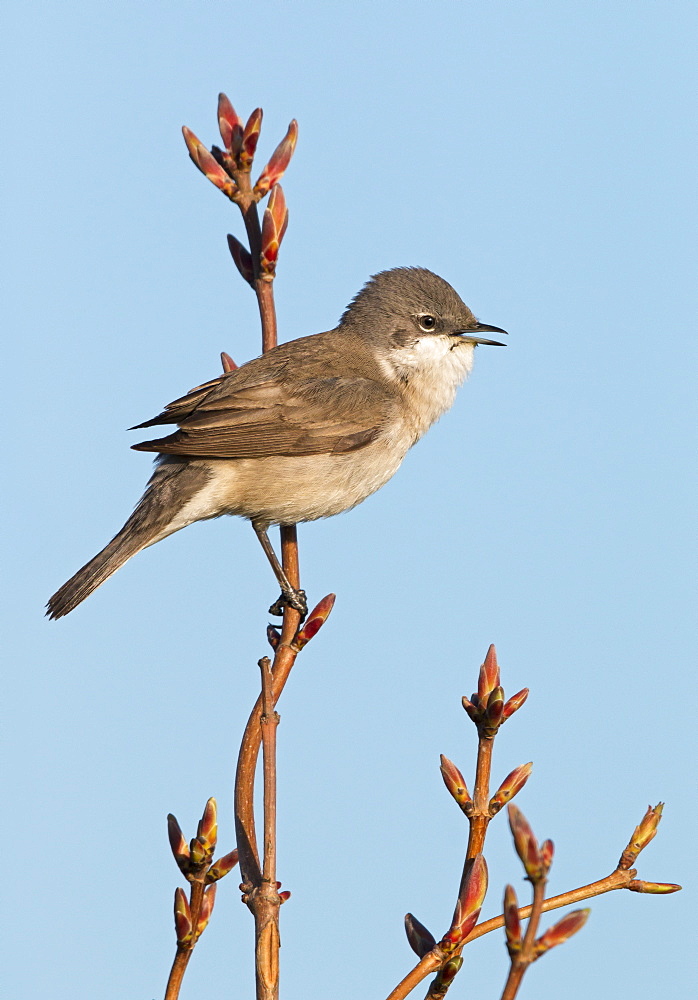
{"x": 264, "y": 899}
{"x": 269, "y": 723}
{"x": 244, "y": 783}
{"x": 619, "y": 879}
{"x": 185, "y": 951}
{"x": 247, "y": 759}
{"x": 479, "y": 817}
{"x": 521, "y": 961}
{"x": 179, "y": 966}
{"x": 260, "y": 887}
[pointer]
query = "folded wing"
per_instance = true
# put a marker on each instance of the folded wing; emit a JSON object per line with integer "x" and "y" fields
{"x": 238, "y": 416}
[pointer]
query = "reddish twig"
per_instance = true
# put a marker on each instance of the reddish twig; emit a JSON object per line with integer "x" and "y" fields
{"x": 185, "y": 949}
{"x": 229, "y": 169}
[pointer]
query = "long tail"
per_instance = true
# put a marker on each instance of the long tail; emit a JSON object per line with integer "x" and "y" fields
{"x": 171, "y": 487}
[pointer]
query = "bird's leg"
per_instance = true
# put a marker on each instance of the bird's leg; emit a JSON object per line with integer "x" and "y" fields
{"x": 289, "y": 595}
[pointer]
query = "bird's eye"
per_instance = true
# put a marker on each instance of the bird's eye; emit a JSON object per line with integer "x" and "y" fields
{"x": 427, "y": 323}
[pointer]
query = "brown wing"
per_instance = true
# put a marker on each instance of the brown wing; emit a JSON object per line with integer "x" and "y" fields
{"x": 250, "y": 415}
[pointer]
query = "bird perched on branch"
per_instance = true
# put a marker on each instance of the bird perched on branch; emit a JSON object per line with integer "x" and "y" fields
{"x": 307, "y": 430}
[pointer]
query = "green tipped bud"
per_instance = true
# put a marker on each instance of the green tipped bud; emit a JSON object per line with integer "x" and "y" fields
{"x": 642, "y": 835}
{"x": 220, "y": 868}
{"x": 653, "y": 888}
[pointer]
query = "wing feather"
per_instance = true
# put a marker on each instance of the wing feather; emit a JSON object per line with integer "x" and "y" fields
{"x": 308, "y": 416}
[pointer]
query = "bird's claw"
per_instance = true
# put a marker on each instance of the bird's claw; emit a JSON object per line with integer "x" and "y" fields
{"x": 295, "y": 599}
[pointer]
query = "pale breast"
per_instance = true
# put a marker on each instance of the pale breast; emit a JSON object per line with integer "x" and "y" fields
{"x": 431, "y": 370}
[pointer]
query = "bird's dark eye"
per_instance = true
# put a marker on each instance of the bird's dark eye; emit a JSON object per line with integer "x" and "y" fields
{"x": 427, "y": 323}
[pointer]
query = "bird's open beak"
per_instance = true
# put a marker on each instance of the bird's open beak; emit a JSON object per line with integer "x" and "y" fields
{"x": 467, "y": 335}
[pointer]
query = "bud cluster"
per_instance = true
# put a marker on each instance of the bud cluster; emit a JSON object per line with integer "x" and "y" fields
{"x": 557, "y": 934}
{"x": 187, "y": 934}
{"x": 487, "y": 707}
{"x": 195, "y": 859}
{"x": 536, "y": 860}
{"x": 229, "y": 169}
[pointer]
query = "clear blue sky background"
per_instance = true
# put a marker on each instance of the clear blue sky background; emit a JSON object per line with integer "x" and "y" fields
{"x": 540, "y": 156}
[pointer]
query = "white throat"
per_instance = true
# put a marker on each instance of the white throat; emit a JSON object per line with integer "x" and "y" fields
{"x": 429, "y": 372}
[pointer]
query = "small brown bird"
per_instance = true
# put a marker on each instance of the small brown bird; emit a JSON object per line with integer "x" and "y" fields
{"x": 307, "y": 430}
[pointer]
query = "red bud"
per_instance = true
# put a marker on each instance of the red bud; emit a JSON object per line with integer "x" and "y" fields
{"x": 206, "y": 909}
{"x": 182, "y": 915}
{"x": 317, "y": 617}
{"x": 512, "y": 784}
{"x": 455, "y": 782}
{"x": 222, "y": 866}
{"x": 207, "y": 164}
{"x": 230, "y": 125}
{"x": 250, "y": 138}
{"x": 512, "y": 921}
{"x": 489, "y": 676}
{"x": 468, "y": 906}
{"x": 207, "y": 830}
{"x": 274, "y": 223}
{"x": 526, "y": 844}
{"x": 472, "y": 707}
{"x": 279, "y": 161}
{"x": 547, "y": 849}
{"x": 515, "y": 702}
{"x": 561, "y": 931}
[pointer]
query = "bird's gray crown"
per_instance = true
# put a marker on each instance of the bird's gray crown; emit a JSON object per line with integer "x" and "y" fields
{"x": 402, "y": 293}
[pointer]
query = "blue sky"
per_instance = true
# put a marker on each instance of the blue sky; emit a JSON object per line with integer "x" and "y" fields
{"x": 541, "y": 157}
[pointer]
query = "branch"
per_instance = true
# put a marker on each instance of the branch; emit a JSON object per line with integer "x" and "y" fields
{"x": 229, "y": 170}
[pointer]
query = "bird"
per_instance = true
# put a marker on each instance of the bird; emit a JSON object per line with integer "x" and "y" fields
{"x": 307, "y": 430}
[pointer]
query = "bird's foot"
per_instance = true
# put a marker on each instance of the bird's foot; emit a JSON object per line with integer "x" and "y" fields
{"x": 295, "y": 599}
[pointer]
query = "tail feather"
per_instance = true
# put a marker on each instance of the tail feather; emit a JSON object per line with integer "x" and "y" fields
{"x": 172, "y": 485}
{"x": 94, "y": 573}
